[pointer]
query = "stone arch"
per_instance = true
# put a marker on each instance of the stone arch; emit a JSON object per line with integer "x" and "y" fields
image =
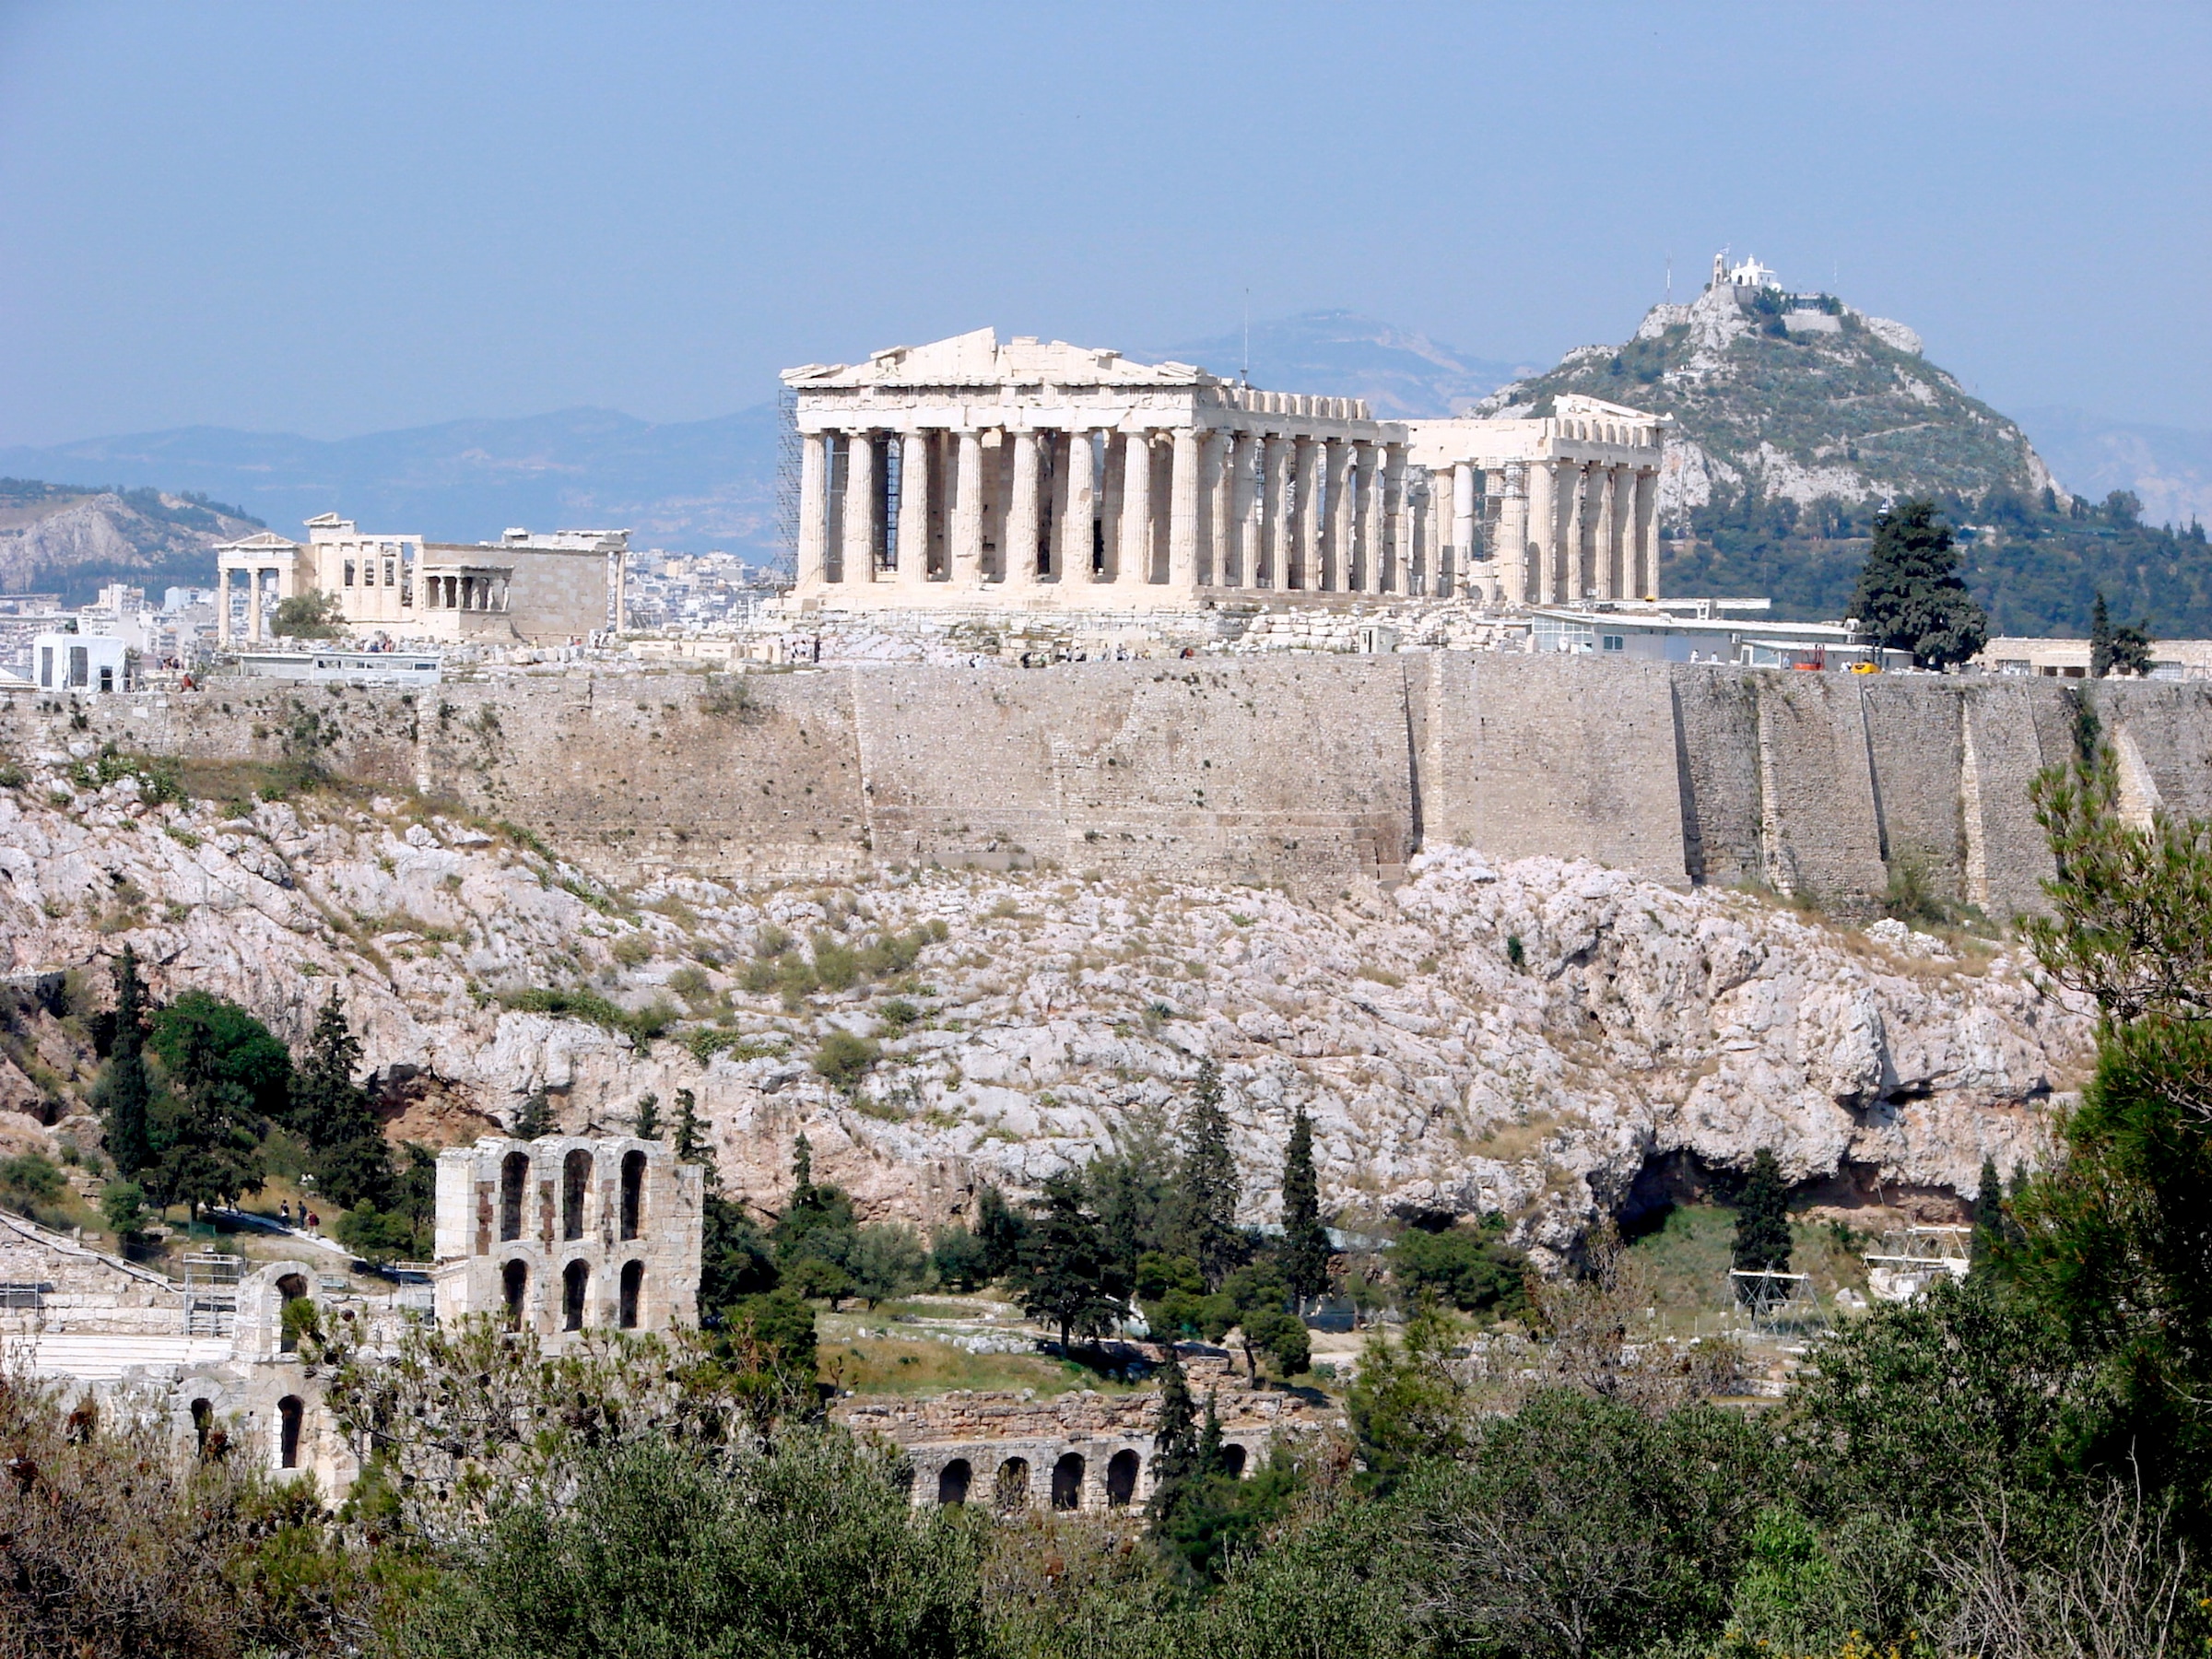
{"x": 1122, "y": 1470}
{"x": 514, "y": 1178}
{"x": 633, "y": 1193}
{"x": 514, "y": 1286}
{"x": 203, "y": 1423}
{"x": 953, "y": 1482}
{"x": 1233, "y": 1460}
{"x": 575, "y": 1285}
{"x": 1067, "y": 1481}
{"x": 1011, "y": 1489}
{"x": 575, "y": 1186}
{"x": 633, "y": 1295}
{"x": 291, "y": 1413}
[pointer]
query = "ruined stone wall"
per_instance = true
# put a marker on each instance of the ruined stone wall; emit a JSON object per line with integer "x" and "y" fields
{"x": 1307, "y": 770}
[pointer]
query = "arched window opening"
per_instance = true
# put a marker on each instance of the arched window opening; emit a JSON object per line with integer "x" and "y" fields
{"x": 1232, "y": 1460}
{"x": 290, "y": 1288}
{"x": 514, "y": 1175}
{"x": 514, "y": 1280}
{"x": 575, "y": 1181}
{"x": 633, "y": 1193}
{"x": 1012, "y": 1488}
{"x": 1122, "y": 1471}
{"x": 633, "y": 1286}
{"x": 953, "y": 1480}
{"x": 573, "y": 1279}
{"x": 289, "y": 1410}
{"x": 1067, "y": 1482}
{"x": 202, "y": 1420}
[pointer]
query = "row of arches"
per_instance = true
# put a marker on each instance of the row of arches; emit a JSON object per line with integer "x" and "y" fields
{"x": 575, "y": 1193}
{"x": 575, "y": 1294}
{"x": 210, "y": 1441}
{"x": 1010, "y": 1483}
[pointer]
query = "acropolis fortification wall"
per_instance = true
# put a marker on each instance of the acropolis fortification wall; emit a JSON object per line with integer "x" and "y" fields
{"x": 1301, "y": 769}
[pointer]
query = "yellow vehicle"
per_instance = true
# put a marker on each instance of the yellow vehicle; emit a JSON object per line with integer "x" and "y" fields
{"x": 1866, "y": 668}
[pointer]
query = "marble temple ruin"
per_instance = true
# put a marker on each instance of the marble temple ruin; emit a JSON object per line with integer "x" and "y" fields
{"x": 1029, "y": 475}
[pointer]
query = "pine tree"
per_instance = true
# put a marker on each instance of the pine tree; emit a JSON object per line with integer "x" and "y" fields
{"x": 1910, "y": 595}
{"x": 1176, "y": 1441}
{"x": 1305, "y": 1241}
{"x": 125, "y": 1093}
{"x": 1763, "y": 1218}
{"x": 210, "y": 1133}
{"x": 1067, "y": 1273}
{"x": 1209, "y": 1183}
{"x": 648, "y": 1125}
{"x": 352, "y": 1162}
{"x": 1001, "y": 1228}
{"x": 535, "y": 1121}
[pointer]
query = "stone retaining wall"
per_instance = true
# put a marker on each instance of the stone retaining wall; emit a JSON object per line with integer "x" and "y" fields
{"x": 1299, "y": 769}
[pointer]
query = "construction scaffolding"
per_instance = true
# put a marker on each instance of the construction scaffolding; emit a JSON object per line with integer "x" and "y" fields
{"x": 211, "y": 1293}
{"x": 1913, "y": 1258}
{"x": 1771, "y": 1299}
{"x": 790, "y": 458}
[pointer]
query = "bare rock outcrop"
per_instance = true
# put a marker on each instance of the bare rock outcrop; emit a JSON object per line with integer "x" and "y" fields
{"x": 1524, "y": 1038}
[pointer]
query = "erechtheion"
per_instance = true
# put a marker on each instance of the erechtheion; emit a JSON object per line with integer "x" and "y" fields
{"x": 1035, "y": 475}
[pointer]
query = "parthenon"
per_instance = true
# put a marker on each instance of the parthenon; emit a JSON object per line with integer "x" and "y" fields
{"x": 1034, "y": 475}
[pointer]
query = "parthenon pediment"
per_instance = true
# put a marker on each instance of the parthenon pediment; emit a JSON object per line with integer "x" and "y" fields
{"x": 981, "y": 358}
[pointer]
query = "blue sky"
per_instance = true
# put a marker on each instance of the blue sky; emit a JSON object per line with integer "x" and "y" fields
{"x": 333, "y": 220}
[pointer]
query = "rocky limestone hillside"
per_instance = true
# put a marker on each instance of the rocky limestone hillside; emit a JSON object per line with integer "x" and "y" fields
{"x": 1795, "y": 407}
{"x": 55, "y": 538}
{"x": 1446, "y": 1066}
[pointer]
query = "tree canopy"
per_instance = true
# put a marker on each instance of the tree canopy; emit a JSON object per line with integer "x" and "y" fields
{"x": 1911, "y": 596}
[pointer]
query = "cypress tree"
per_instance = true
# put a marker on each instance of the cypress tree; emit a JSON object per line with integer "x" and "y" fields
{"x": 1910, "y": 595}
{"x": 126, "y": 1092}
{"x": 1209, "y": 1460}
{"x": 691, "y": 1143}
{"x": 1305, "y": 1241}
{"x": 802, "y": 1169}
{"x": 648, "y": 1125}
{"x": 1209, "y": 1183}
{"x": 1763, "y": 1218}
{"x": 1989, "y": 1217}
{"x": 353, "y": 1164}
{"x": 1176, "y": 1441}
{"x": 2101, "y": 639}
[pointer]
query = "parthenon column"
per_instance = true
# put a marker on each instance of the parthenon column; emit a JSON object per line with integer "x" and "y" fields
{"x": 1360, "y": 573}
{"x": 1543, "y": 521}
{"x": 1078, "y": 529}
{"x": 1647, "y": 535}
{"x": 813, "y": 514}
{"x": 1278, "y": 509}
{"x": 1393, "y": 523}
{"x": 1463, "y": 521}
{"x": 1182, "y": 512}
{"x": 1307, "y": 567}
{"x": 1335, "y": 562}
{"x": 1604, "y": 489}
{"x": 1245, "y": 549}
{"x": 967, "y": 558}
{"x": 860, "y": 508}
{"x": 1018, "y": 559}
{"x": 1513, "y": 536}
{"x": 1134, "y": 567}
{"x": 1217, "y": 496}
{"x": 914, "y": 513}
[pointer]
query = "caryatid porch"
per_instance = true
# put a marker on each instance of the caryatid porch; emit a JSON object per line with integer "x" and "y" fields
{"x": 1051, "y": 475}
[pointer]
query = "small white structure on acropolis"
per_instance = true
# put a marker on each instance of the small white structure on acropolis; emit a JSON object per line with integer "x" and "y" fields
{"x": 541, "y": 587}
{"x": 1038, "y": 476}
{"x": 569, "y": 1234}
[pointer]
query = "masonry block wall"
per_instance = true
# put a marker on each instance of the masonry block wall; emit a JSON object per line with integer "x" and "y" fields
{"x": 569, "y": 1234}
{"x": 1306, "y": 770}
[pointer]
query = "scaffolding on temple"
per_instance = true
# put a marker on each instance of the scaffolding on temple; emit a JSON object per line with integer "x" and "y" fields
{"x": 1913, "y": 1258}
{"x": 790, "y": 458}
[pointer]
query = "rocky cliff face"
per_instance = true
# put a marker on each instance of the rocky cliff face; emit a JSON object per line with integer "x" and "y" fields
{"x": 1797, "y": 404}
{"x": 1527, "y": 1038}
